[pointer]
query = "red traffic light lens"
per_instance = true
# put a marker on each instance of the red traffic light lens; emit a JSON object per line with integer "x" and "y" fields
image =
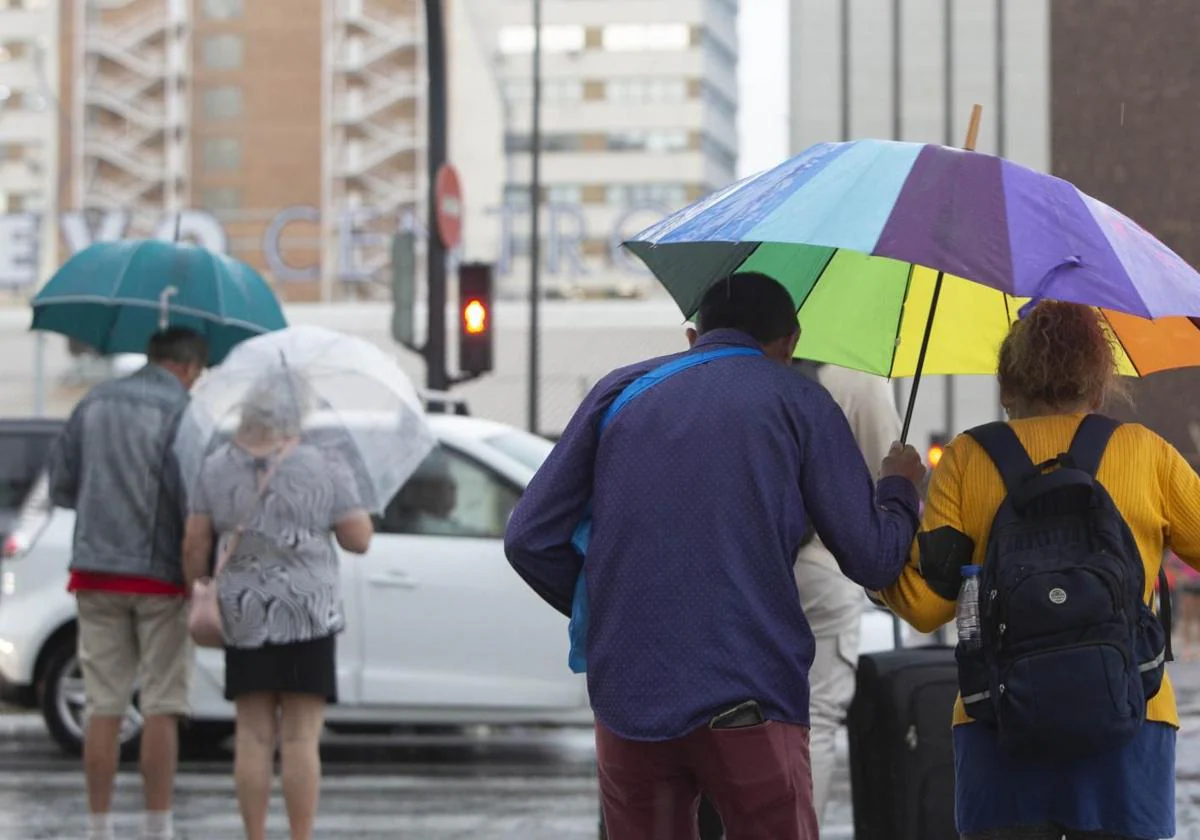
{"x": 475, "y": 317}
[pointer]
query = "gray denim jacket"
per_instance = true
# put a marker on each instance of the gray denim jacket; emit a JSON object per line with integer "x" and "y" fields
{"x": 115, "y": 464}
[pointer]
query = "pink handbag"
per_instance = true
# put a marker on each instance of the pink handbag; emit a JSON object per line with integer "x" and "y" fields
{"x": 204, "y": 610}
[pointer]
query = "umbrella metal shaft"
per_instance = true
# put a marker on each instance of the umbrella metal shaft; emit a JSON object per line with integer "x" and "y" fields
{"x": 912, "y": 394}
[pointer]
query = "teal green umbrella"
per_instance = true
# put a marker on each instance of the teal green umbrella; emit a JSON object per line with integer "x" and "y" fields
{"x": 113, "y": 296}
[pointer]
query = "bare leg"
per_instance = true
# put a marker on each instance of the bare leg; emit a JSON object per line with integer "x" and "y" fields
{"x": 159, "y": 758}
{"x": 101, "y": 755}
{"x": 300, "y": 760}
{"x": 254, "y": 760}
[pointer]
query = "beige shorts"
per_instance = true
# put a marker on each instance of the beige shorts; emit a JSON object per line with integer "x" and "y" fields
{"x": 128, "y": 640}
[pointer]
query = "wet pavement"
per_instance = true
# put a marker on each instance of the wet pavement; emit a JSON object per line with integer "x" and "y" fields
{"x": 532, "y": 785}
{"x": 501, "y": 785}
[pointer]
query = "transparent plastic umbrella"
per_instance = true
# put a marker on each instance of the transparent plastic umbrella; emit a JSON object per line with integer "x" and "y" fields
{"x": 336, "y": 392}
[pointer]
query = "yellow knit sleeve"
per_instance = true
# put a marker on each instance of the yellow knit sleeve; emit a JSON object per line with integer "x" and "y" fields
{"x": 910, "y": 597}
{"x": 1181, "y": 497}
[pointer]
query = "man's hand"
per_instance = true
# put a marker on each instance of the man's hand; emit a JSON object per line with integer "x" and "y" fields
{"x": 905, "y": 462}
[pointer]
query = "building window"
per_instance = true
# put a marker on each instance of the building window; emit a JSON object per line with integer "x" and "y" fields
{"x": 647, "y": 91}
{"x": 670, "y": 196}
{"x": 655, "y": 140}
{"x": 221, "y": 199}
{"x": 222, "y": 9}
{"x": 222, "y": 103}
{"x": 33, "y": 101}
{"x": 564, "y": 194}
{"x": 223, "y": 52}
{"x": 15, "y": 50}
{"x": 518, "y": 40}
{"x": 516, "y": 195}
{"x": 550, "y": 143}
{"x": 554, "y": 91}
{"x": 646, "y": 37}
{"x": 222, "y": 154}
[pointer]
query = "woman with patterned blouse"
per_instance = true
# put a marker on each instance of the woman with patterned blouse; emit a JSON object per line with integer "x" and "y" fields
{"x": 273, "y": 503}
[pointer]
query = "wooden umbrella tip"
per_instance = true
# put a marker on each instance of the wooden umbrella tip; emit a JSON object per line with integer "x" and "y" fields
{"x": 973, "y": 128}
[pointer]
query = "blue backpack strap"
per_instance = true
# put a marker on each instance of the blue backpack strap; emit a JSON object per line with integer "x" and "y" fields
{"x": 1090, "y": 441}
{"x": 666, "y": 371}
{"x": 583, "y": 531}
{"x": 1003, "y": 446}
{"x": 582, "y": 537}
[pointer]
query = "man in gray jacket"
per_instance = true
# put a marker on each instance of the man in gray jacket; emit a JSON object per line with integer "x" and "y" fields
{"x": 833, "y": 604}
{"x": 116, "y": 464}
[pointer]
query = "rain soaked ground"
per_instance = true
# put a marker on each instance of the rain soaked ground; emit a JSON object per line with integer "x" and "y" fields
{"x": 528, "y": 785}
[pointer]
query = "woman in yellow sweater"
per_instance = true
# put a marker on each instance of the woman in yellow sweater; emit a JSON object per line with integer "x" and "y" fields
{"x": 1056, "y": 366}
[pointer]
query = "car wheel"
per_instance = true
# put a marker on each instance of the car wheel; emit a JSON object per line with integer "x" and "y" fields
{"x": 64, "y": 704}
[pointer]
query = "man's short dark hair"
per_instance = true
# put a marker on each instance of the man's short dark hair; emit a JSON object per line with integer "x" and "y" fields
{"x": 180, "y": 345}
{"x": 750, "y": 302}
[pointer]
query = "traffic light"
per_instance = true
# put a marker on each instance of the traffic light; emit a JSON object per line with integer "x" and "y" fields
{"x": 937, "y": 446}
{"x": 475, "y": 318}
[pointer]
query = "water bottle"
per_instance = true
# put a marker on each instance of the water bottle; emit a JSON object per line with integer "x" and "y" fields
{"x": 966, "y": 612}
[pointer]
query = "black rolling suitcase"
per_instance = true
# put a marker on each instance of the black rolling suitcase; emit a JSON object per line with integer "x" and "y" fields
{"x": 901, "y": 748}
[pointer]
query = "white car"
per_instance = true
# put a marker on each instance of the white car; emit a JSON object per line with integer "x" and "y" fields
{"x": 440, "y": 630}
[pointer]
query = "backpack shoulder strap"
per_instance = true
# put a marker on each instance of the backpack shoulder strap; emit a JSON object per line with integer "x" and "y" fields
{"x": 666, "y": 371}
{"x": 1086, "y": 452}
{"x": 582, "y": 535}
{"x": 1090, "y": 441}
{"x": 1003, "y": 446}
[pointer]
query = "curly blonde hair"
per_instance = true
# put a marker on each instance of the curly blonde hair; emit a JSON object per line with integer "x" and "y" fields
{"x": 1058, "y": 356}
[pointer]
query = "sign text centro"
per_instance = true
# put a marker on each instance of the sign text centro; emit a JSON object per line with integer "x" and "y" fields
{"x": 363, "y": 234}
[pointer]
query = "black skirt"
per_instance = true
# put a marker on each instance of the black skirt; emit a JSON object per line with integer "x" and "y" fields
{"x": 297, "y": 668}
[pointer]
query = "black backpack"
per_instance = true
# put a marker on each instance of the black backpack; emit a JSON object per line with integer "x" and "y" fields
{"x": 1069, "y": 652}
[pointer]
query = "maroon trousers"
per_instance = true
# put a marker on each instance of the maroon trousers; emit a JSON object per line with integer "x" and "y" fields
{"x": 759, "y": 778}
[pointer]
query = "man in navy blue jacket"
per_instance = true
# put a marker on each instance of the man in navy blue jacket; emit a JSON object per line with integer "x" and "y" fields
{"x": 698, "y": 650}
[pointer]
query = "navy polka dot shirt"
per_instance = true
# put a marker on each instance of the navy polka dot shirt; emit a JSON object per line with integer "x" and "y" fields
{"x": 701, "y": 491}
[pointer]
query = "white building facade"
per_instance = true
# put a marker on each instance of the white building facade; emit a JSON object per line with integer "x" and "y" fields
{"x": 29, "y": 130}
{"x": 638, "y": 119}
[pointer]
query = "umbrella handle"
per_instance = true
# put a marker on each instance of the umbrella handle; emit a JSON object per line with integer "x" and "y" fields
{"x": 164, "y": 307}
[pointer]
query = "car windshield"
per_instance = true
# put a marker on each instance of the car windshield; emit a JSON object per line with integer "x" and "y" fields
{"x": 522, "y": 447}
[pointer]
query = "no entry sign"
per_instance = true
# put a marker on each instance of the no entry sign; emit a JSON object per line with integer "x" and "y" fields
{"x": 449, "y": 211}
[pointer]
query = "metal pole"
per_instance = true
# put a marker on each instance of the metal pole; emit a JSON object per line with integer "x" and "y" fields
{"x": 897, "y": 130}
{"x": 948, "y": 68}
{"x": 1001, "y": 81}
{"x": 897, "y": 70}
{"x": 436, "y": 378}
{"x": 845, "y": 73}
{"x": 39, "y": 374}
{"x": 939, "y": 635}
{"x": 948, "y": 21}
{"x": 1001, "y": 128}
{"x": 535, "y": 221}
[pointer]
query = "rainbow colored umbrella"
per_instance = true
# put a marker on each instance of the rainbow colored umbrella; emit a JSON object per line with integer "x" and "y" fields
{"x": 872, "y": 238}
